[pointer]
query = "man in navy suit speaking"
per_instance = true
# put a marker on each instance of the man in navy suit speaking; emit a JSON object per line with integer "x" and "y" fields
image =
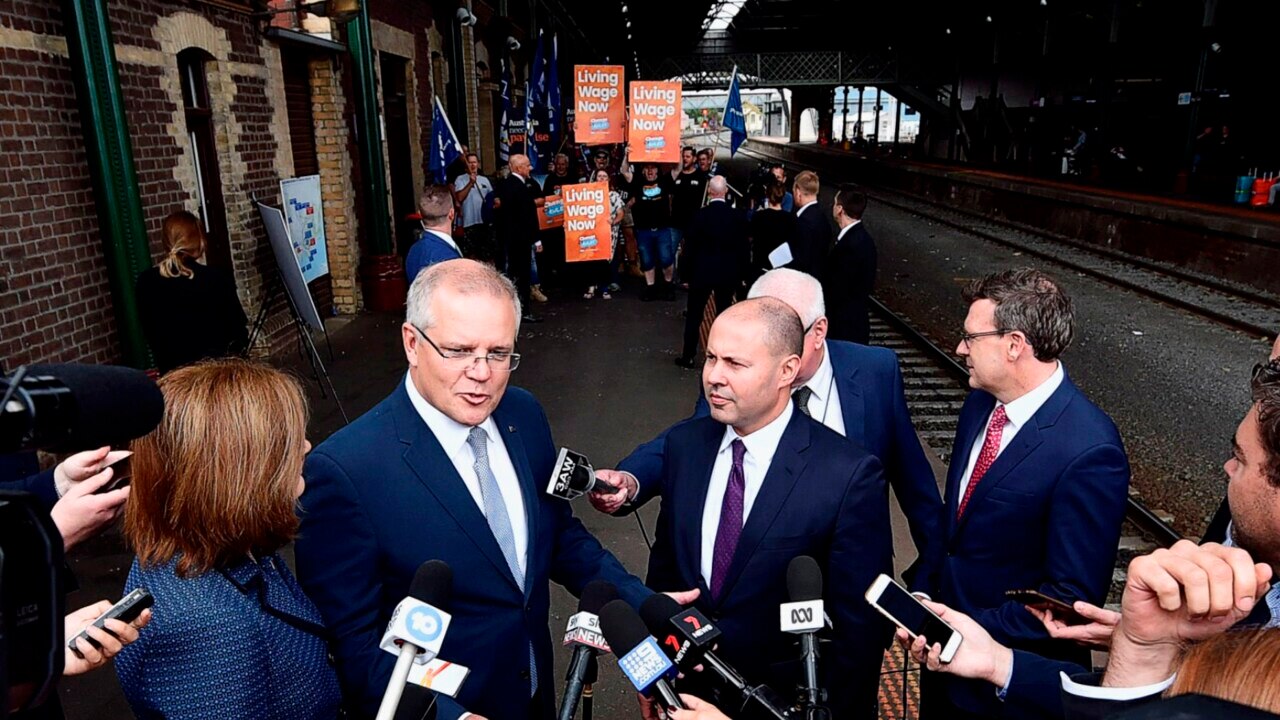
{"x": 757, "y": 484}
{"x": 450, "y": 466}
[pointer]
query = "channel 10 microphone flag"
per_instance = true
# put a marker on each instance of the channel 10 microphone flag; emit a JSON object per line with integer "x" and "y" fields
{"x": 654, "y": 131}
{"x": 600, "y": 113}
{"x": 588, "y": 234}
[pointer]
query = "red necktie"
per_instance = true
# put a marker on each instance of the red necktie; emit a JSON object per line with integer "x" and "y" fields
{"x": 990, "y": 449}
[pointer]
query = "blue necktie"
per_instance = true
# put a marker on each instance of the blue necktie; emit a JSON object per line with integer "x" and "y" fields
{"x": 495, "y": 511}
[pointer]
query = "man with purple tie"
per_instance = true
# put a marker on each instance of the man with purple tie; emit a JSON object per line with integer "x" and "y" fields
{"x": 757, "y": 484}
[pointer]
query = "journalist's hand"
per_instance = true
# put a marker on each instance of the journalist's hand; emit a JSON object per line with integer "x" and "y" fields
{"x": 697, "y": 710}
{"x": 979, "y": 657}
{"x": 609, "y": 504}
{"x": 80, "y": 514}
{"x": 1093, "y": 634}
{"x": 84, "y": 465}
{"x": 111, "y": 642}
{"x": 1177, "y": 596}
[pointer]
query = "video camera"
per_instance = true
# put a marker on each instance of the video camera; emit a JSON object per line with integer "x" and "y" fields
{"x": 63, "y": 408}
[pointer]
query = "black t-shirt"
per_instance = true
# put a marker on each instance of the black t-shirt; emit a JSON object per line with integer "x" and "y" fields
{"x": 652, "y": 208}
{"x": 691, "y": 188}
{"x": 554, "y": 182}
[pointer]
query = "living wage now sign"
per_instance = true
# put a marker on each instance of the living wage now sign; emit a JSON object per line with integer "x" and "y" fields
{"x": 600, "y": 116}
{"x": 654, "y": 129}
{"x": 588, "y": 234}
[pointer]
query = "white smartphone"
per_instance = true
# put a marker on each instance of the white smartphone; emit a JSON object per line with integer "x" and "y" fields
{"x": 908, "y": 613}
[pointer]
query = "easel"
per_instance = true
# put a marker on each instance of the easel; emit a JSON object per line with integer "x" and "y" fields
{"x": 306, "y": 346}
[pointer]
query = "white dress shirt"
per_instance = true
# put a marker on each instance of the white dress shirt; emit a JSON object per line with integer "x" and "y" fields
{"x": 448, "y": 240}
{"x": 1019, "y": 412}
{"x": 824, "y": 403}
{"x": 452, "y": 436}
{"x": 761, "y": 445}
{"x": 845, "y": 229}
{"x": 805, "y": 207}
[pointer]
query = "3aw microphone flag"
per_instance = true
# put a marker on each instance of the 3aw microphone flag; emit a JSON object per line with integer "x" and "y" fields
{"x": 733, "y": 117}
{"x": 444, "y": 144}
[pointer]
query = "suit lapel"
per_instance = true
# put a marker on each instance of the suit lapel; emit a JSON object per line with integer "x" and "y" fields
{"x": 520, "y": 460}
{"x": 784, "y": 471}
{"x": 966, "y": 435}
{"x": 689, "y": 514}
{"x": 433, "y": 468}
{"x": 1022, "y": 445}
{"x": 852, "y": 405}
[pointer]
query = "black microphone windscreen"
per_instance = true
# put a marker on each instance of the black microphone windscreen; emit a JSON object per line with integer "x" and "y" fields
{"x": 113, "y": 405}
{"x": 596, "y": 595}
{"x": 433, "y": 584}
{"x": 622, "y": 627}
{"x": 804, "y": 579}
{"x": 657, "y": 611}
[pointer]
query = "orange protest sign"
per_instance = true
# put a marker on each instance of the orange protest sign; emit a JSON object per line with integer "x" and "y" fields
{"x": 599, "y": 111}
{"x": 654, "y": 130}
{"x": 551, "y": 214}
{"x": 588, "y": 234}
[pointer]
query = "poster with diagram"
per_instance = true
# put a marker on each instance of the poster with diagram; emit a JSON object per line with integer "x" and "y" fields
{"x": 304, "y": 215}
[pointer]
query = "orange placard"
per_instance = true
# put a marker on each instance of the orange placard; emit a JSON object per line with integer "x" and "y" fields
{"x": 654, "y": 129}
{"x": 588, "y": 234}
{"x": 551, "y": 214}
{"x": 600, "y": 115}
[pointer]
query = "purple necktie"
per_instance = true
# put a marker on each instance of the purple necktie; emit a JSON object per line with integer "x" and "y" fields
{"x": 730, "y": 521}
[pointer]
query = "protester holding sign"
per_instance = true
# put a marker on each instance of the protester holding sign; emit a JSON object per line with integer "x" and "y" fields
{"x": 650, "y": 203}
{"x": 588, "y": 228}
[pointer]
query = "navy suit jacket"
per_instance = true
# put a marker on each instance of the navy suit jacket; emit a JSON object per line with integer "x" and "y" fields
{"x": 382, "y": 498}
{"x": 812, "y": 241}
{"x": 429, "y": 250}
{"x": 848, "y": 277}
{"x": 874, "y": 408}
{"x": 824, "y": 497}
{"x": 1046, "y": 516}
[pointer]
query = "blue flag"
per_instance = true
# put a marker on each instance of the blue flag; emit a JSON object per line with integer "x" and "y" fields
{"x": 444, "y": 144}
{"x": 733, "y": 117}
{"x": 553, "y": 94}
{"x": 535, "y": 100}
{"x": 504, "y": 136}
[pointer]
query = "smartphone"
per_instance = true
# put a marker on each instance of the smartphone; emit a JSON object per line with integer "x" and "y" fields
{"x": 127, "y": 610}
{"x": 1040, "y": 601}
{"x": 907, "y": 612}
{"x": 122, "y": 474}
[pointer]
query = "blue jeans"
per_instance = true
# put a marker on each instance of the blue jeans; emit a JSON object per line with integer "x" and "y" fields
{"x": 533, "y": 266}
{"x": 654, "y": 244}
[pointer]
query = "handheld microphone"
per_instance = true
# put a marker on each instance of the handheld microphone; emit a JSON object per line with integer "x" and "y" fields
{"x": 804, "y": 617}
{"x": 639, "y": 656}
{"x": 688, "y": 638}
{"x": 416, "y": 629}
{"x": 587, "y": 640}
{"x": 68, "y": 408}
{"x": 572, "y": 477}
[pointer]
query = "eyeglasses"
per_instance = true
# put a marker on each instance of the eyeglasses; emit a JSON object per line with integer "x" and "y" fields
{"x": 968, "y": 338}
{"x": 498, "y": 361}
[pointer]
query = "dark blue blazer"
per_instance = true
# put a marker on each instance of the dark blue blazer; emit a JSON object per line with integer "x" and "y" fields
{"x": 41, "y": 485}
{"x": 382, "y": 498}
{"x": 824, "y": 497}
{"x": 874, "y": 407}
{"x": 1046, "y": 516}
{"x": 243, "y": 642}
{"x": 429, "y": 250}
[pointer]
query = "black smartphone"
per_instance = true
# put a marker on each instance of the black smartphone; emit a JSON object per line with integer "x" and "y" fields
{"x": 122, "y": 474}
{"x": 1040, "y": 601}
{"x": 127, "y": 610}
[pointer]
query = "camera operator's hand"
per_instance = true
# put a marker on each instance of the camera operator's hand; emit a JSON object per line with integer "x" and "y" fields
{"x": 110, "y": 643}
{"x": 81, "y": 514}
{"x": 1178, "y": 596}
{"x": 609, "y": 504}
{"x": 979, "y": 657}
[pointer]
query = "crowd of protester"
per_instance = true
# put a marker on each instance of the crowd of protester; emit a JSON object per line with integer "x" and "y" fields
{"x": 799, "y": 432}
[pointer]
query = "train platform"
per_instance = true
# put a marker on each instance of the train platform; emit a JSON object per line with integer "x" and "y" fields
{"x": 1232, "y": 245}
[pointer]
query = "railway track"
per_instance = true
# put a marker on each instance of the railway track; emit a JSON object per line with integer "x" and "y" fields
{"x": 936, "y": 386}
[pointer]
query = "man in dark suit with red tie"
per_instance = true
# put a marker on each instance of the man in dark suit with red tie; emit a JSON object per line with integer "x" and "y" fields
{"x": 1037, "y": 486}
{"x": 757, "y": 484}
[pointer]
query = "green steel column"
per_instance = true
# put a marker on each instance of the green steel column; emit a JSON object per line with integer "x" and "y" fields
{"x": 115, "y": 183}
{"x": 369, "y": 133}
